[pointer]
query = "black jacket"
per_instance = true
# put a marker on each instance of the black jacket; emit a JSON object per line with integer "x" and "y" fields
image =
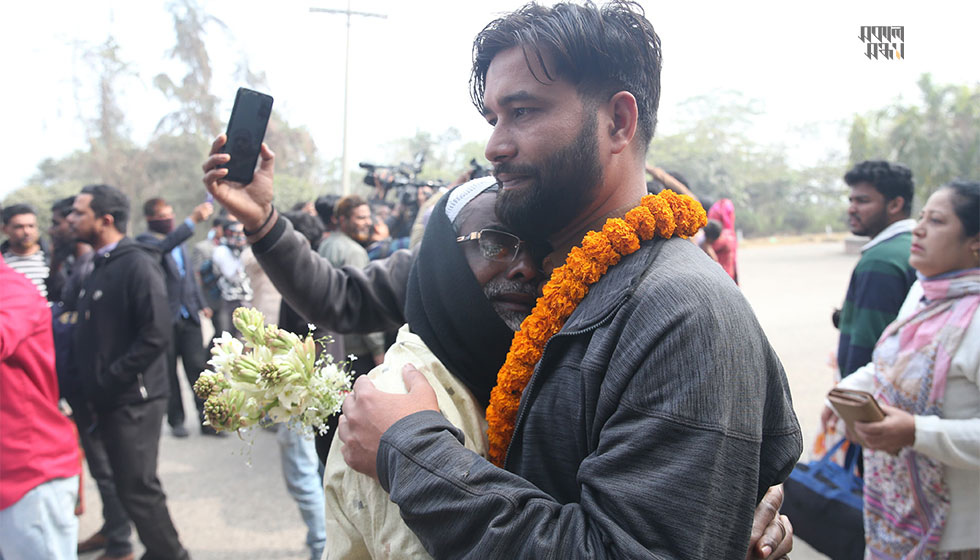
{"x": 123, "y": 328}
{"x": 181, "y": 290}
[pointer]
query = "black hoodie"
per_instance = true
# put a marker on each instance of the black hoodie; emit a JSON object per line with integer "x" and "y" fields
{"x": 124, "y": 328}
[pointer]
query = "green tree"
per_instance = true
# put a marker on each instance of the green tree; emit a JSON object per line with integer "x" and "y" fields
{"x": 938, "y": 138}
{"x": 713, "y": 151}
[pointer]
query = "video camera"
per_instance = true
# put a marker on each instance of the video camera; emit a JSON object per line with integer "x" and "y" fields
{"x": 402, "y": 177}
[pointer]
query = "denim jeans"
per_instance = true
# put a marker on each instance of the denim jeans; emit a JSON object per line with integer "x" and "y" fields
{"x": 42, "y": 524}
{"x": 300, "y": 469}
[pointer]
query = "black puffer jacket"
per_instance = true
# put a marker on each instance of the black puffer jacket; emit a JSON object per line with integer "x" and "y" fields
{"x": 123, "y": 328}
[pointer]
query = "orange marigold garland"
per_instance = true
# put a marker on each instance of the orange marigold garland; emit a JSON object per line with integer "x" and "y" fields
{"x": 664, "y": 215}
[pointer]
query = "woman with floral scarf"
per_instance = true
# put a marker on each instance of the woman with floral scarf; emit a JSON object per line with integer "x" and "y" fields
{"x": 922, "y": 462}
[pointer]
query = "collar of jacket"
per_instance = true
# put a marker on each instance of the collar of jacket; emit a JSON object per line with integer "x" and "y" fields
{"x": 125, "y": 245}
{"x": 606, "y": 296}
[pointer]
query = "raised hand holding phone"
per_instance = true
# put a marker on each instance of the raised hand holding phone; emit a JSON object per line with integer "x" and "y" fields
{"x": 229, "y": 172}
{"x": 246, "y": 130}
{"x": 250, "y": 203}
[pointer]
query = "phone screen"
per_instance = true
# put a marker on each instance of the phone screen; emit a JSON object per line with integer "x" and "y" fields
{"x": 246, "y": 129}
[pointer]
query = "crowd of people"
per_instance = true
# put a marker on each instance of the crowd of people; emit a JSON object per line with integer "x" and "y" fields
{"x": 555, "y": 361}
{"x": 120, "y": 311}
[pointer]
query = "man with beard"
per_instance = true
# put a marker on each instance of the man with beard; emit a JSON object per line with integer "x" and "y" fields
{"x": 66, "y": 251}
{"x": 71, "y": 265}
{"x": 120, "y": 342}
{"x": 881, "y": 202}
{"x": 646, "y": 429}
{"x": 345, "y": 247}
{"x": 457, "y": 338}
{"x": 186, "y": 302}
{"x": 643, "y": 406}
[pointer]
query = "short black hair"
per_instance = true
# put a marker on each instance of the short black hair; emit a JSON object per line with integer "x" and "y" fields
{"x": 712, "y": 230}
{"x": 966, "y": 204}
{"x": 601, "y": 51}
{"x": 109, "y": 200}
{"x": 324, "y": 207}
{"x": 16, "y": 210}
{"x": 308, "y": 226}
{"x": 890, "y": 179}
{"x": 62, "y": 207}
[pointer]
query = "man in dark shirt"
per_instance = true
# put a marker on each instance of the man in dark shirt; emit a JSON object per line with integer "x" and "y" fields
{"x": 120, "y": 342}
{"x": 881, "y": 202}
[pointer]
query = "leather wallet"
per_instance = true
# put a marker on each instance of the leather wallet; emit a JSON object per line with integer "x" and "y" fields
{"x": 855, "y": 406}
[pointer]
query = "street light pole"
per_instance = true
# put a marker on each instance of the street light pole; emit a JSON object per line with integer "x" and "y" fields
{"x": 344, "y": 162}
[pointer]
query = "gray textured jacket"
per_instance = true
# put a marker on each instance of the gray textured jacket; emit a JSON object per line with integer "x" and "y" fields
{"x": 655, "y": 421}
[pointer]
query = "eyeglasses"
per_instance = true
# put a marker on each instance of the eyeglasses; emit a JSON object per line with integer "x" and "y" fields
{"x": 495, "y": 245}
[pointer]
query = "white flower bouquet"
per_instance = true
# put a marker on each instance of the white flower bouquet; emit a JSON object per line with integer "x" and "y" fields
{"x": 274, "y": 376}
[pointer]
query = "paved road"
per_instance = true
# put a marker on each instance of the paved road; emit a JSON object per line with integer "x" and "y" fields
{"x": 228, "y": 499}
{"x": 793, "y": 289}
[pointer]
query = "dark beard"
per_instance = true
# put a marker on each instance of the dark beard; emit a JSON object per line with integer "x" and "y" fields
{"x": 498, "y": 286}
{"x": 559, "y": 188}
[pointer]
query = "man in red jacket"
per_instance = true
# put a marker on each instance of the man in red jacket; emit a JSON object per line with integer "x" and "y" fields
{"x": 39, "y": 462}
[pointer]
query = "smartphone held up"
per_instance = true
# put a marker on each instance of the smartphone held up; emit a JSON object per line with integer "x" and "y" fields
{"x": 246, "y": 129}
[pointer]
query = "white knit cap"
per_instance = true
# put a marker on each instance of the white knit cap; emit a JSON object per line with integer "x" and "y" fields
{"x": 463, "y": 194}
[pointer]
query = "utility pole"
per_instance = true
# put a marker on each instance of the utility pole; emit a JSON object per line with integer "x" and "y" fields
{"x": 344, "y": 162}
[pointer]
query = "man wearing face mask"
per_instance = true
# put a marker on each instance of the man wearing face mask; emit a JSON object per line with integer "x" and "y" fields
{"x": 185, "y": 300}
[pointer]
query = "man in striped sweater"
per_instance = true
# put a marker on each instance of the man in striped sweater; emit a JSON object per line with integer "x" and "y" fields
{"x": 881, "y": 202}
{"x": 23, "y": 252}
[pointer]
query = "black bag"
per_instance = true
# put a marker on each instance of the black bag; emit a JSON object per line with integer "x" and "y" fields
{"x": 825, "y": 503}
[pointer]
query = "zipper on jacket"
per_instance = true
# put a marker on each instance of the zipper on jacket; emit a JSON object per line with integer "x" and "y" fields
{"x": 522, "y": 411}
{"x": 143, "y": 393}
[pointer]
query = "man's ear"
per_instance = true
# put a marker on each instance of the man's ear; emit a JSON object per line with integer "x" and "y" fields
{"x": 107, "y": 221}
{"x": 895, "y": 206}
{"x": 623, "y": 115}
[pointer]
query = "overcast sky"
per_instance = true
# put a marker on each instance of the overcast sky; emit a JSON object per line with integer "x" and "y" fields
{"x": 803, "y": 61}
